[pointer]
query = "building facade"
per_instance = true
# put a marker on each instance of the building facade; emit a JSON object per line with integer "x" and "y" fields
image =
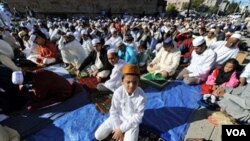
{"x": 212, "y": 3}
{"x": 86, "y": 6}
{"x": 178, "y": 3}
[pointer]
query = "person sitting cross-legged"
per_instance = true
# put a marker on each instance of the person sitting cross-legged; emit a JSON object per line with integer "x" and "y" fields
{"x": 97, "y": 64}
{"x": 203, "y": 59}
{"x": 166, "y": 61}
{"x": 115, "y": 78}
{"x": 127, "y": 108}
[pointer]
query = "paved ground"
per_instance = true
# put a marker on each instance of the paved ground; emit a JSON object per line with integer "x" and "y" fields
{"x": 200, "y": 127}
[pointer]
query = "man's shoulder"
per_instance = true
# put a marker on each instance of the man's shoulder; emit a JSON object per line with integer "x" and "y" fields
{"x": 119, "y": 89}
{"x": 209, "y": 52}
{"x": 220, "y": 43}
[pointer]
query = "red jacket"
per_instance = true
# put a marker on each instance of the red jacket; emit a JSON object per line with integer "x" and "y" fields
{"x": 48, "y": 51}
{"x": 47, "y": 88}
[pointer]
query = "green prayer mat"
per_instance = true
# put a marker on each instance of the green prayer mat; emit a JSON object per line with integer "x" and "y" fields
{"x": 154, "y": 80}
{"x": 153, "y": 77}
{"x": 83, "y": 74}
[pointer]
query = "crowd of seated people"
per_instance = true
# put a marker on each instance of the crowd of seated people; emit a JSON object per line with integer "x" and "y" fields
{"x": 100, "y": 48}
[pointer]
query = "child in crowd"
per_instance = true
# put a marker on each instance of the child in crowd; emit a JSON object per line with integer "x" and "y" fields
{"x": 143, "y": 57}
{"x": 224, "y": 76}
{"x": 127, "y": 108}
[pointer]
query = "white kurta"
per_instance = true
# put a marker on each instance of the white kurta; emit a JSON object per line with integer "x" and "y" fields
{"x": 98, "y": 62}
{"x": 116, "y": 76}
{"x": 246, "y": 73}
{"x": 126, "y": 113}
{"x": 87, "y": 46}
{"x": 113, "y": 41}
{"x": 72, "y": 52}
{"x": 210, "y": 41}
{"x": 223, "y": 53}
{"x": 201, "y": 64}
{"x": 53, "y": 35}
{"x": 166, "y": 61}
{"x": 5, "y": 49}
{"x": 77, "y": 35}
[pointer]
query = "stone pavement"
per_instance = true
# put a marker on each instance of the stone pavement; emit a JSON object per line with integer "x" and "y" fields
{"x": 200, "y": 127}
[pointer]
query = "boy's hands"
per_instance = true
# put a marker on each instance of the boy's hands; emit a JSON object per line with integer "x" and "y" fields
{"x": 118, "y": 135}
{"x": 220, "y": 91}
{"x": 215, "y": 87}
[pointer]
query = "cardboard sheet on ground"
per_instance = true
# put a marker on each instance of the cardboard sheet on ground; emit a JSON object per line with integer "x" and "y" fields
{"x": 167, "y": 113}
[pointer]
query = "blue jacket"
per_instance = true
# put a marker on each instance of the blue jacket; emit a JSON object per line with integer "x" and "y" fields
{"x": 129, "y": 55}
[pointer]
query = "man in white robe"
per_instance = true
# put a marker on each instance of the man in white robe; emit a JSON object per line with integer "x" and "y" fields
{"x": 210, "y": 38}
{"x": 226, "y": 49}
{"x": 71, "y": 51}
{"x": 6, "y": 56}
{"x": 86, "y": 42}
{"x": 115, "y": 78}
{"x": 203, "y": 59}
{"x": 166, "y": 61}
{"x": 114, "y": 39}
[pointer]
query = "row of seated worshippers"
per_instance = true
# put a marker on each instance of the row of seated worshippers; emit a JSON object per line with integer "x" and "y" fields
{"x": 104, "y": 58}
{"x": 108, "y": 61}
{"x": 43, "y": 43}
{"x": 97, "y": 63}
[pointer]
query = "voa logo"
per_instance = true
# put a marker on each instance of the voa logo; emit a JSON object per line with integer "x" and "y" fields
{"x": 236, "y": 132}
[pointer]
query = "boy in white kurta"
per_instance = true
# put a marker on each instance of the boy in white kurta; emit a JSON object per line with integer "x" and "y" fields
{"x": 126, "y": 110}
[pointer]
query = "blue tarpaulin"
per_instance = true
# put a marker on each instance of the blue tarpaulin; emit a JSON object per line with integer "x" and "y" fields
{"x": 168, "y": 113}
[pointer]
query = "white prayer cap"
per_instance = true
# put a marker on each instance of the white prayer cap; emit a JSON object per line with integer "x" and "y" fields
{"x": 165, "y": 29}
{"x": 49, "y": 24}
{"x": 112, "y": 50}
{"x": 95, "y": 41}
{"x": 236, "y": 36}
{"x": 198, "y": 41}
{"x": 212, "y": 25}
{"x": 32, "y": 37}
{"x": 84, "y": 32}
{"x": 17, "y": 77}
{"x": 69, "y": 33}
{"x": 212, "y": 30}
{"x": 112, "y": 30}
